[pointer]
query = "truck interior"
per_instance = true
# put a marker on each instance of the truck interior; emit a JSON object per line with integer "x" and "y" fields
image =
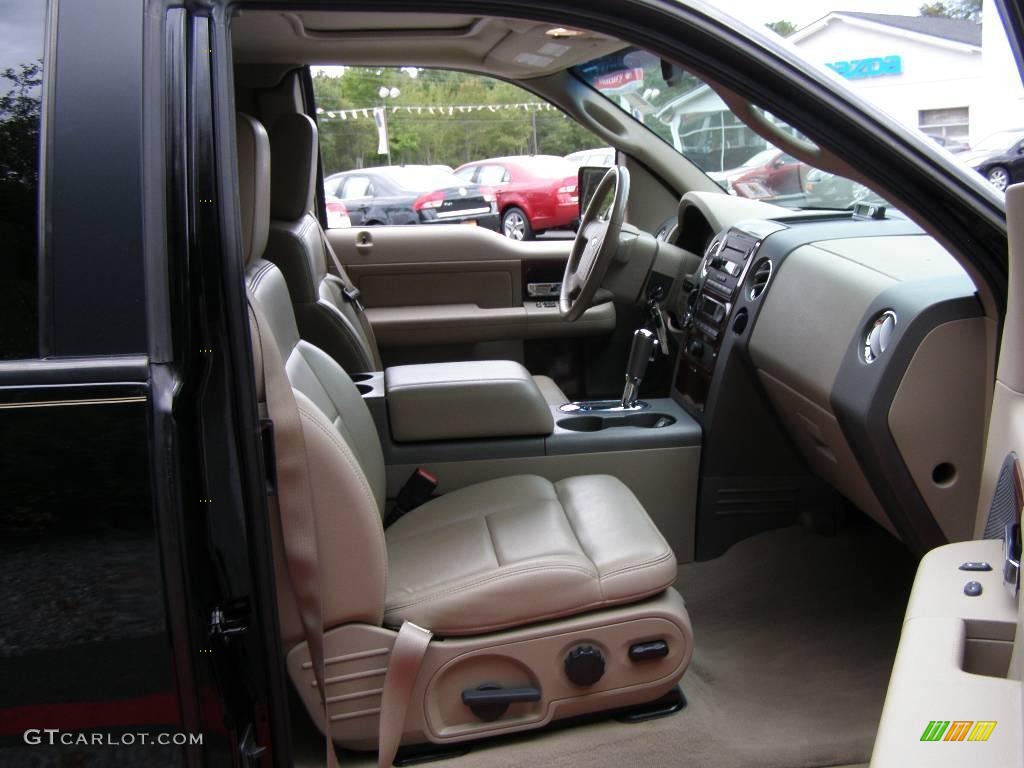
{"x": 656, "y": 494}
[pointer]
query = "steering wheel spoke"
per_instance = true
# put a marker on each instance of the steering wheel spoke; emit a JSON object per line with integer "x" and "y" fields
{"x": 596, "y": 242}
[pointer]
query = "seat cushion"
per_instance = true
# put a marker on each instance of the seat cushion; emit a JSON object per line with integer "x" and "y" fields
{"x": 551, "y": 391}
{"x": 519, "y": 550}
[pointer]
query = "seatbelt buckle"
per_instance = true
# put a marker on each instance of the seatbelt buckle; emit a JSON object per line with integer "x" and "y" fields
{"x": 417, "y": 489}
{"x": 353, "y": 296}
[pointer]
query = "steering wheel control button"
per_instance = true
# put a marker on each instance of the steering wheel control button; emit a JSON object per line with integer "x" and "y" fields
{"x": 972, "y": 588}
{"x": 975, "y": 565}
{"x": 584, "y": 665}
{"x": 653, "y": 649}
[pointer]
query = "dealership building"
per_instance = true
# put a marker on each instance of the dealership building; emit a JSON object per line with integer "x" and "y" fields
{"x": 950, "y": 78}
{"x": 947, "y": 77}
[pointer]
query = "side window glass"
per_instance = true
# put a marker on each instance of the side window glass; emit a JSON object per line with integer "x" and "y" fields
{"x": 21, "y": 94}
{"x": 420, "y": 133}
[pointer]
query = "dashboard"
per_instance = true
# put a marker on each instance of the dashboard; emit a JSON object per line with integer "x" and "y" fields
{"x": 841, "y": 353}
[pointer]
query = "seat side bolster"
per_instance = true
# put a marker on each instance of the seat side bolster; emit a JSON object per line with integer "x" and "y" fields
{"x": 350, "y": 536}
{"x": 353, "y": 418}
{"x": 294, "y": 247}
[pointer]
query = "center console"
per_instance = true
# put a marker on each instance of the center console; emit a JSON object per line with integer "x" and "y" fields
{"x": 707, "y": 310}
{"x": 466, "y": 428}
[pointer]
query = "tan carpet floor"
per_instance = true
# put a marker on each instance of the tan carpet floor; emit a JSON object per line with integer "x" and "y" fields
{"x": 795, "y": 635}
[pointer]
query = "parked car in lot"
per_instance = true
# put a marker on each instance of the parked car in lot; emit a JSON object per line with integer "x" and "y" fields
{"x": 998, "y": 157}
{"x": 337, "y": 212}
{"x": 535, "y": 192}
{"x": 777, "y": 174}
{"x": 829, "y": 190}
{"x": 602, "y": 156}
{"x": 725, "y": 178}
{"x": 412, "y": 194}
{"x": 952, "y": 145}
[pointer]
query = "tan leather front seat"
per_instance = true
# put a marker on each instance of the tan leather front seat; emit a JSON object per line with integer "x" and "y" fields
{"x": 502, "y": 554}
{"x": 296, "y": 245}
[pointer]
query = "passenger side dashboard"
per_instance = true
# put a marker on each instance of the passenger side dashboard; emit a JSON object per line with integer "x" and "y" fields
{"x": 851, "y": 346}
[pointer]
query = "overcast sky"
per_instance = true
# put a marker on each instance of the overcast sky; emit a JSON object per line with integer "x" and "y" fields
{"x": 21, "y": 31}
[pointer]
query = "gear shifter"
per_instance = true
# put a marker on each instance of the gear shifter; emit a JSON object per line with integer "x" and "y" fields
{"x": 645, "y": 344}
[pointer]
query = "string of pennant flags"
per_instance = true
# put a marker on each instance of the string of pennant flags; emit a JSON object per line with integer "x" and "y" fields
{"x": 368, "y": 112}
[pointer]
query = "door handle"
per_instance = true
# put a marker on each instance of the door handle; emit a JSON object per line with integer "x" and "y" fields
{"x": 364, "y": 242}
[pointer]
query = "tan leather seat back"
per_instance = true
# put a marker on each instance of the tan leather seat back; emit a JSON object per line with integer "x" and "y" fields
{"x": 296, "y": 245}
{"x": 346, "y": 464}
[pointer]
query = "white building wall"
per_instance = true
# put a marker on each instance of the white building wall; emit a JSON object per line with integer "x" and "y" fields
{"x": 1001, "y": 93}
{"x": 934, "y": 75}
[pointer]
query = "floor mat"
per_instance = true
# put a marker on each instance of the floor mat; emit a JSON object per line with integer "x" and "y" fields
{"x": 795, "y": 636}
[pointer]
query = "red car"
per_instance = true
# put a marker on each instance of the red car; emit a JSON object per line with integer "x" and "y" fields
{"x": 535, "y": 192}
{"x": 781, "y": 175}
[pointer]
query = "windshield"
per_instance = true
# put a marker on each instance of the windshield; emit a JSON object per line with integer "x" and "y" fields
{"x": 999, "y": 142}
{"x": 760, "y": 158}
{"x": 423, "y": 178}
{"x": 549, "y": 167}
{"x": 688, "y": 115}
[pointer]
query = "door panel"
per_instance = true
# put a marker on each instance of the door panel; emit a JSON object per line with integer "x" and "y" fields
{"x": 957, "y": 674}
{"x": 442, "y": 286}
{"x": 486, "y": 284}
{"x": 86, "y": 642}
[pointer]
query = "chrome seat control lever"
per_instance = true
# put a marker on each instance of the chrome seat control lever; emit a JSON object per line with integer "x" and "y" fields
{"x": 645, "y": 345}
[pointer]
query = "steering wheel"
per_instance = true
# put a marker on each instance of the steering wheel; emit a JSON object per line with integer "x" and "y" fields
{"x": 596, "y": 241}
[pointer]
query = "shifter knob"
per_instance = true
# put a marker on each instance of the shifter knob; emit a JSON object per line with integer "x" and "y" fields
{"x": 645, "y": 342}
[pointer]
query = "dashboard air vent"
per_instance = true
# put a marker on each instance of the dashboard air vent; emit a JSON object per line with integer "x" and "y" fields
{"x": 879, "y": 335}
{"x": 759, "y": 280}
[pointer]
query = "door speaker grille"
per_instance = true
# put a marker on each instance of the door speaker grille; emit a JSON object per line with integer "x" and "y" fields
{"x": 1006, "y": 501}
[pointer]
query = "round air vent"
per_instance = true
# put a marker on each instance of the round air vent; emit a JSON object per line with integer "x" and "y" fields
{"x": 759, "y": 280}
{"x": 879, "y": 335}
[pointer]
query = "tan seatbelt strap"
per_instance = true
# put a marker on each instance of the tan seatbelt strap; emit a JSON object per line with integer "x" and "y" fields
{"x": 347, "y": 287}
{"x": 399, "y": 681}
{"x": 295, "y": 505}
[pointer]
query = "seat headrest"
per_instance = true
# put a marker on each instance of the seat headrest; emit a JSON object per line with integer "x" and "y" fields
{"x": 293, "y": 146}
{"x": 253, "y": 148}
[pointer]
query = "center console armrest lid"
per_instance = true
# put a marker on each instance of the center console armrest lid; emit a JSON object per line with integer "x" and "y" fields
{"x": 447, "y": 401}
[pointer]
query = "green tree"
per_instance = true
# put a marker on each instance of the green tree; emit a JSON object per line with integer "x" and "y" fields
{"x": 967, "y": 10}
{"x": 19, "y": 183}
{"x": 782, "y": 27}
{"x": 19, "y": 124}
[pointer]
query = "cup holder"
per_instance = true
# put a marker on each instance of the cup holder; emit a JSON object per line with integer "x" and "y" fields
{"x": 582, "y": 423}
{"x": 597, "y": 423}
{"x": 357, "y": 377}
{"x": 364, "y": 389}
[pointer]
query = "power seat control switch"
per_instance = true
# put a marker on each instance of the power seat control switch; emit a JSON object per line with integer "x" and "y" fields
{"x": 584, "y": 665}
{"x": 490, "y": 701}
{"x": 654, "y": 649}
{"x": 975, "y": 565}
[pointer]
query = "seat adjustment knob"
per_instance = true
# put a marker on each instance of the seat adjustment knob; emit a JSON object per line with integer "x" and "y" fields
{"x": 584, "y": 665}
